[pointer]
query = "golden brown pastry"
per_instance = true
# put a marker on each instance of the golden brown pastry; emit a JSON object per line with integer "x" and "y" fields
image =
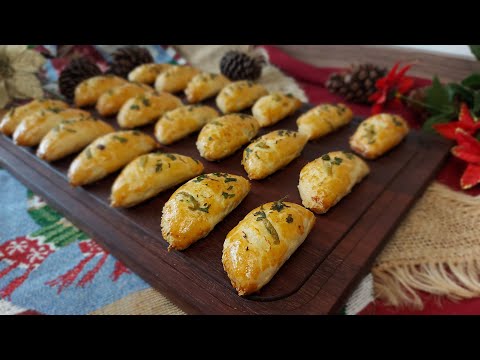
{"x": 107, "y": 154}
{"x": 271, "y": 152}
{"x": 34, "y": 127}
{"x": 89, "y": 91}
{"x": 112, "y": 100}
{"x": 71, "y": 136}
{"x": 199, "y": 205}
{"x": 204, "y": 86}
{"x": 15, "y": 116}
{"x": 262, "y": 242}
{"x": 378, "y": 134}
{"x": 175, "y": 79}
{"x": 324, "y": 119}
{"x": 183, "y": 121}
{"x": 150, "y": 174}
{"x": 147, "y": 73}
{"x": 223, "y": 136}
{"x": 326, "y": 180}
{"x": 270, "y": 109}
{"x": 239, "y": 95}
{"x": 145, "y": 109}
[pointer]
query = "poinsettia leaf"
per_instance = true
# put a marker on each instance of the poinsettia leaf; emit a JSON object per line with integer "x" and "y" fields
{"x": 475, "y": 49}
{"x": 476, "y": 103}
{"x": 436, "y": 119}
{"x": 438, "y": 98}
{"x": 456, "y": 91}
{"x": 473, "y": 81}
{"x": 470, "y": 177}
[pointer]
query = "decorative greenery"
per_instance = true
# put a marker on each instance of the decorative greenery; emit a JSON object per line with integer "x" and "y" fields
{"x": 475, "y": 50}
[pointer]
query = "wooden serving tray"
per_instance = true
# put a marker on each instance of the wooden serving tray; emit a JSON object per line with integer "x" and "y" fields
{"x": 316, "y": 279}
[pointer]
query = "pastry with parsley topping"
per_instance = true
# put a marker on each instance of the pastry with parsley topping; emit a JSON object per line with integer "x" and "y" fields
{"x": 112, "y": 101}
{"x": 262, "y": 242}
{"x": 89, "y": 91}
{"x": 198, "y": 206}
{"x": 148, "y": 175}
{"x": 272, "y": 108}
{"x": 324, "y": 119}
{"x": 204, "y": 86}
{"x": 108, "y": 154}
{"x": 15, "y": 116}
{"x": 175, "y": 79}
{"x": 147, "y": 73}
{"x": 183, "y": 121}
{"x": 239, "y": 96}
{"x": 223, "y": 136}
{"x": 271, "y": 152}
{"x": 146, "y": 108}
{"x": 71, "y": 136}
{"x": 34, "y": 127}
{"x": 378, "y": 134}
{"x": 328, "y": 179}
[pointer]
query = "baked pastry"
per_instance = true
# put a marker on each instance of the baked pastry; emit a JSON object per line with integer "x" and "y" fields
{"x": 89, "y": 91}
{"x": 34, "y": 127}
{"x": 107, "y": 154}
{"x": 15, "y": 116}
{"x": 147, "y": 73}
{"x": 239, "y": 95}
{"x": 183, "y": 121}
{"x": 175, "y": 79}
{"x": 112, "y": 101}
{"x": 204, "y": 86}
{"x": 326, "y": 180}
{"x": 262, "y": 242}
{"x": 271, "y": 152}
{"x": 324, "y": 119}
{"x": 378, "y": 134}
{"x": 223, "y": 136}
{"x": 150, "y": 174}
{"x": 199, "y": 205}
{"x": 145, "y": 109}
{"x": 270, "y": 109}
{"x": 71, "y": 136}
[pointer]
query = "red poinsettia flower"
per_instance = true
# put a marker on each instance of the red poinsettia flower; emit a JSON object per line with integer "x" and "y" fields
{"x": 468, "y": 149}
{"x": 465, "y": 121}
{"x": 390, "y": 87}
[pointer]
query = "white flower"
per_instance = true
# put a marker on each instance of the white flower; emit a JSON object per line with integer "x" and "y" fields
{"x": 18, "y": 66}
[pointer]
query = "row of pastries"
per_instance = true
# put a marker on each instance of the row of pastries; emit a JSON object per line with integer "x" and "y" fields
{"x": 261, "y": 243}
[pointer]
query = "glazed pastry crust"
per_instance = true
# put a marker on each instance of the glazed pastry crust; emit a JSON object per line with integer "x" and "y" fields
{"x": 150, "y": 174}
{"x": 271, "y": 152}
{"x": 324, "y": 119}
{"x": 272, "y": 108}
{"x": 175, "y": 79}
{"x": 145, "y": 109}
{"x": 15, "y": 116}
{"x": 33, "y": 128}
{"x": 107, "y": 154}
{"x": 378, "y": 134}
{"x": 262, "y": 242}
{"x": 89, "y": 91}
{"x": 326, "y": 180}
{"x": 239, "y": 95}
{"x": 204, "y": 86}
{"x": 147, "y": 73}
{"x": 197, "y": 207}
{"x": 183, "y": 121}
{"x": 71, "y": 136}
{"x": 112, "y": 100}
{"x": 223, "y": 136}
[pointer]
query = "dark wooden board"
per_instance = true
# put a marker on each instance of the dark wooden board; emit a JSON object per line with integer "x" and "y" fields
{"x": 315, "y": 280}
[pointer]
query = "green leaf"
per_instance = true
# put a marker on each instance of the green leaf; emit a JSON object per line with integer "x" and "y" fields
{"x": 436, "y": 119}
{"x": 475, "y": 49}
{"x": 460, "y": 92}
{"x": 438, "y": 98}
{"x": 473, "y": 81}
{"x": 476, "y": 103}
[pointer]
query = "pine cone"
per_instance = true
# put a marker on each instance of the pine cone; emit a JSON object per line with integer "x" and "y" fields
{"x": 74, "y": 73}
{"x": 356, "y": 84}
{"x": 127, "y": 58}
{"x": 237, "y": 65}
{"x": 418, "y": 96}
